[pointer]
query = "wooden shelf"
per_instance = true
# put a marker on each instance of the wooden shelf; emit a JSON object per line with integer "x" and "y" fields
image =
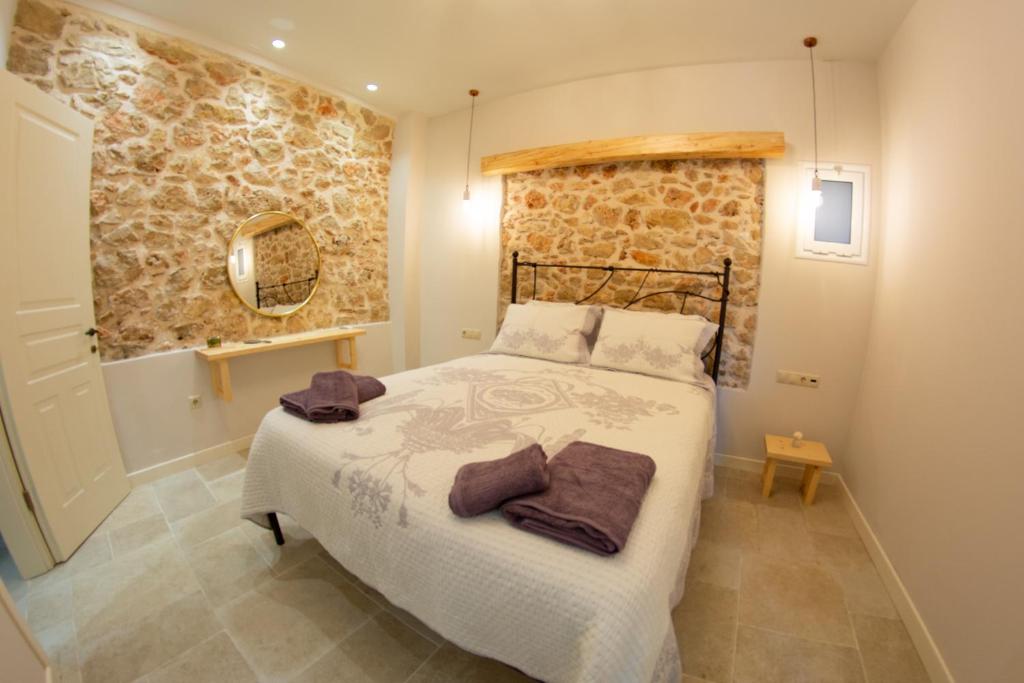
{"x": 345, "y": 349}
{"x": 734, "y": 145}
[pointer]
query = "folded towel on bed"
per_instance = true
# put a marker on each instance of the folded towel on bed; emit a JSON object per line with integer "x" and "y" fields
{"x": 593, "y": 500}
{"x": 482, "y": 486}
{"x": 332, "y": 396}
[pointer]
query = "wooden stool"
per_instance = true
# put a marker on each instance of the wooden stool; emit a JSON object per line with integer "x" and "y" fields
{"x": 811, "y": 454}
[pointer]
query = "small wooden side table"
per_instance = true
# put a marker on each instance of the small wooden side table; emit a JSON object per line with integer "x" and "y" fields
{"x": 811, "y": 454}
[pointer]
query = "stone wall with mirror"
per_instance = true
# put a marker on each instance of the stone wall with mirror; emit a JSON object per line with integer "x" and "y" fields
{"x": 188, "y": 144}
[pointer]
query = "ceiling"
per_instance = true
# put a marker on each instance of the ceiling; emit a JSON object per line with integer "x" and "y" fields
{"x": 426, "y": 54}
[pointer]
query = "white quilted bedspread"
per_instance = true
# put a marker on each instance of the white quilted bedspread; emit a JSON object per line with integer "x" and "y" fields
{"x": 374, "y": 492}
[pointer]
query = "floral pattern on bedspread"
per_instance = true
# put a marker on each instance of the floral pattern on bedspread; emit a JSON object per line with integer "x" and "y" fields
{"x": 496, "y": 409}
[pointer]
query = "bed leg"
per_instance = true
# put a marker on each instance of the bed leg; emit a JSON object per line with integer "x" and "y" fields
{"x": 275, "y": 526}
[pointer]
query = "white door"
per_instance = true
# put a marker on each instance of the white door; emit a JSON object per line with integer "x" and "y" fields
{"x": 52, "y": 385}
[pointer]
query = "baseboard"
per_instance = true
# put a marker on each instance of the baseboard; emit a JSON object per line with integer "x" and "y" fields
{"x": 738, "y": 462}
{"x": 185, "y": 462}
{"x": 926, "y": 647}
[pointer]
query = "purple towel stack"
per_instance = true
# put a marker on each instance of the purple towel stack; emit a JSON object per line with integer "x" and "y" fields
{"x": 332, "y": 397}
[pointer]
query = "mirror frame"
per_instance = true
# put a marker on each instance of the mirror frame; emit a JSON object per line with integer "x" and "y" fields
{"x": 319, "y": 264}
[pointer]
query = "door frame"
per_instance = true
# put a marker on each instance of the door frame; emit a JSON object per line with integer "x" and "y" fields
{"x": 18, "y": 524}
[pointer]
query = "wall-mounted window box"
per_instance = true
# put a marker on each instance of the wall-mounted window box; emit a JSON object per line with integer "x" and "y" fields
{"x": 834, "y": 227}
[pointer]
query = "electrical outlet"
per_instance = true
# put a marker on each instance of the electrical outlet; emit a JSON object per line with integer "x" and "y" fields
{"x": 470, "y": 333}
{"x": 800, "y": 379}
{"x": 193, "y": 402}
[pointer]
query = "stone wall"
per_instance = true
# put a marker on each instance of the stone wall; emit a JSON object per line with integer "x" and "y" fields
{"x": 283, "y": 255}
{"x": 189, "y": 143}
{"x": 681, "y": 215}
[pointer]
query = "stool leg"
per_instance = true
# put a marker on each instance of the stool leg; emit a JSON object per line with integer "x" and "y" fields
{"x": 767, "y": 477}
{"x": 812, "y": 475}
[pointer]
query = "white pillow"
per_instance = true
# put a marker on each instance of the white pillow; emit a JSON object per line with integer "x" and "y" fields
{"x": 593, "y": 312}
{"x": 660, "y": 344}
{"x": 546, "y": 332}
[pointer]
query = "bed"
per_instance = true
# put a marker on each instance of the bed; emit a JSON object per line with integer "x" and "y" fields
{"x": 374, "y": 493}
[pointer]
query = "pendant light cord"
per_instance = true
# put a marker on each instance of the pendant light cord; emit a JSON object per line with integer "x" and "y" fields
{"x": 469, "y": 143}
{"x": 814, "y": 108}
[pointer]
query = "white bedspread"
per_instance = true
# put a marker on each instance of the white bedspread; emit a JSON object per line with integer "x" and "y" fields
{"x": 374, "y": 492}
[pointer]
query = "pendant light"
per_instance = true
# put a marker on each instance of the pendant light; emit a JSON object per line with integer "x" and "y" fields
{"x": 469, "y": 145}
{"x": 810, "y": 42}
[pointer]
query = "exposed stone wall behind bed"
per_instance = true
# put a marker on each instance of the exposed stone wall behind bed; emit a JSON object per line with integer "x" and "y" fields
{"x": 190, "y": 142}
{"x": 682, "y": 215}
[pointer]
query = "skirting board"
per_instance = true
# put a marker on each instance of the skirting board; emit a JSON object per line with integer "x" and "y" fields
{"x": 185, "y": 462}
{"x": 926, "y": 648}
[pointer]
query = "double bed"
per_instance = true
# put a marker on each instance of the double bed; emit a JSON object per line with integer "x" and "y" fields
{"x": 374, "y": 492}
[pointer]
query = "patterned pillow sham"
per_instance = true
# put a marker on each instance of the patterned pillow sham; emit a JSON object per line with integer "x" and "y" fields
{"x": 659, "y": 344}
{"x": 545, "y": 332}
{"x": 593, "y": 313}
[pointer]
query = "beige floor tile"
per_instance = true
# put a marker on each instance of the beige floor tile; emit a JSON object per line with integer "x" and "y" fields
{"x": 228, "y": 566}
{"x": 183, "y": 494}
{"x": 865, "y": 593}
{"x": 291, "y": 621}
{"x": 216, "y": 469}
{"x": 49, "y": 606}
{"x": 705, "y": 625}
{"x": 135, "y": 647}
{"x": 61, "y": 648}
{"x": 767, "y": 657}
{"x": 793, "y": 598}
{"x": 227, "y": 488}
{"x": 141, "y": 503}
{"x": 130, "y": 587}
{"x": 299, "y": 545}
{"x": 785, "y": 492}
{"x": 729, "y": 523}
{"x": 451, "y": 663}
{"x": 888, "y": 652}
{"x": 216, "y": 660}
{"x": 693, "y": 679}
{"x": 384, "y": 650}
{"x": 840, "y": 552}
{"x": 827, "y": 514}
{"x": 202, "y": 526}
{"x": 783, "y": 533}
{"x": 94, "y": 552}
{"x": 415, "y": 624}
{"x": 134, "y": 535}
{"x": 714, "y": 563}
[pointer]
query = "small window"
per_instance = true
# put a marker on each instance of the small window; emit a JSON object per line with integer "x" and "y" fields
{"x": 836, "y": 229}
{"x": 240, "y": 263}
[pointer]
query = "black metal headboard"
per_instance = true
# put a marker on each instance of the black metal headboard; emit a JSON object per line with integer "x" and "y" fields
{"x": 722, "y": 277}
{"x": 263, "y": 292}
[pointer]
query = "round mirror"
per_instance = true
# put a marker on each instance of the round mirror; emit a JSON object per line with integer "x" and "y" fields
{"x": 273, "y": 263}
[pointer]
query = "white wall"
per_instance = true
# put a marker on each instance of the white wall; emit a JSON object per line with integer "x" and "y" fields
{"x": 813, "y": 315}
{"x": 404, "y": 198}
{"x": 7, "y": 8}
{"x": 149, "y": 395}
{"x": 935, "y": 457}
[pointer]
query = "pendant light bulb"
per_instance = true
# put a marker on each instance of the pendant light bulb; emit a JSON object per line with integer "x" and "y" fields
{"x": 816, "y": 198}
{"x": 469, "y": 144}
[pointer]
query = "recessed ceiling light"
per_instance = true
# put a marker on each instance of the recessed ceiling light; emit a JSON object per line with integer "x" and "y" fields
{"x": 372, "y": 87}
{"x": 278, "y": 43}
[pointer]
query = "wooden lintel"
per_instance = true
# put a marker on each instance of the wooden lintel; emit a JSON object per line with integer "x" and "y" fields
{"x": 733, "y": 145}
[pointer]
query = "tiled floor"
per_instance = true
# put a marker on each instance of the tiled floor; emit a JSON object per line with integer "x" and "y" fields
{"x": 175, "y": 587}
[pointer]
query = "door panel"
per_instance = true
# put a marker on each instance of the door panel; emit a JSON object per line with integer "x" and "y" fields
{"x": 62, "y": 432}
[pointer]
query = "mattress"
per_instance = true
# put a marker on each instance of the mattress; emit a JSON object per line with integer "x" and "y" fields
{"x": 374, "y": 493}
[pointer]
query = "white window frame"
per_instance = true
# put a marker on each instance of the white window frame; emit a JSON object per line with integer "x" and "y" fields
{"x": 855, "y": 252}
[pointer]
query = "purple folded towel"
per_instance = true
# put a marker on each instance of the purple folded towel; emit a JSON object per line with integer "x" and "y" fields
{"x": 482, "y": 486}
{"x": 332, "y": 396}
{"x": 594, "y": 498}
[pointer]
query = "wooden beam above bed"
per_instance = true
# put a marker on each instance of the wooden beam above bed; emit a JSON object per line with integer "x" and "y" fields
{"x": 734, "y": 145}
